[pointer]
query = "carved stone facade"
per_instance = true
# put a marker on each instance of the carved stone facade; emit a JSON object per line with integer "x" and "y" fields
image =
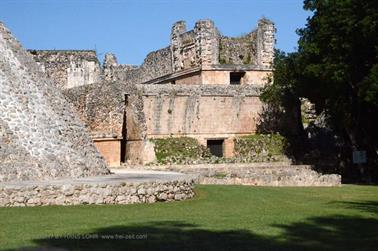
{"x": 203, "y": 85}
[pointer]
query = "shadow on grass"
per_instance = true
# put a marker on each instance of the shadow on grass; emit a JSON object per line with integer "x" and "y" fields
{"x": 319, "y": 233}
{"x": 366, "y": 206}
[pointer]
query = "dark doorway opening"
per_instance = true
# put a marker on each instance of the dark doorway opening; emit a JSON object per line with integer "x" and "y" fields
{"x": 216, "y": 147}
{"x": 235, "y": 77}
{"x": 124, "y": 131}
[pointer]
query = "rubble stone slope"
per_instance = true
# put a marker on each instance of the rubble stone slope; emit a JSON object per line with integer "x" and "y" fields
{"x": 40, "y": 136}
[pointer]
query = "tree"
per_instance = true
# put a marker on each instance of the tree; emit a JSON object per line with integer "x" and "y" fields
{"x": 336, "y": 67}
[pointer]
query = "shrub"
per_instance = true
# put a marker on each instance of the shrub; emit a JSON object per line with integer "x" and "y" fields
{"x": 260, "y": 147}
{"x": 179, "y": 150}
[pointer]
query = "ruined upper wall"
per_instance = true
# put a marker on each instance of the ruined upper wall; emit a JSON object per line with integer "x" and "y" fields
{"x": 156, "y": 64}
{"x": 200, "y": 48}
{"x": 204, "y": 46}
{"x": 69, "y": 68}
{"x": 238, "y": 50}
{"x": 40, "y": 136}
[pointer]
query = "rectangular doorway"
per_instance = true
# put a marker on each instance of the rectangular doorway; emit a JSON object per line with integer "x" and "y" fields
{"x": 236, "y": 77}
{"x": 216, "y": 147}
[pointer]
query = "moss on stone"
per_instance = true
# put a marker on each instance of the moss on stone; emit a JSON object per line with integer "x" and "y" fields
{"x": 179, "y": 150}
{"x": 260, "y": 147}
{"x": 251, "y": 148}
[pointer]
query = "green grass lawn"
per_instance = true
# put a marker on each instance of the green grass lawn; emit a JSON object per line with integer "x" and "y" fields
{"x": 219, "y": 218}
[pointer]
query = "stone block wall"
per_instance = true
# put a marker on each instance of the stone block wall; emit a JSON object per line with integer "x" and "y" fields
{"x": 194, "y": 109}
{"x": 256, "y": 174}
{"x": 101, "y": 107}
{"x": 69, "y": 68}
{"x": 110, "y": 149}
{"x": 156, "y": 64}
{"x": 38, "y": 127}
{"x": 76, "y": 192}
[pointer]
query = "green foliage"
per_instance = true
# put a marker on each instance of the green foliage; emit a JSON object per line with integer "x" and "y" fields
{"x": 339, "y": 51}
{"x": 336, "y": 68}
{"x": 248, "y": 59}
{"x": 260, "y": 147}
{"x": 222, "y": 60}
{"x": 178, "y": 150}
{"x": 286, "y": 80}
{"x": 251, "y": 148}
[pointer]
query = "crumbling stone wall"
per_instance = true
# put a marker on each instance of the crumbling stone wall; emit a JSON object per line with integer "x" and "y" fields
{"x": 69, "y": 68}
{"x": 101, "y": 107}
{"x": 238, "y": 50}
{"x": 193, "y": 48}
{"x": 202, "y": 47}
{"x": 156, "y": 64}
{"x": 38, "y": 127}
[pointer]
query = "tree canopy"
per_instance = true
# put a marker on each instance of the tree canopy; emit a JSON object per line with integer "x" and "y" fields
{"x": 336, "y": 68}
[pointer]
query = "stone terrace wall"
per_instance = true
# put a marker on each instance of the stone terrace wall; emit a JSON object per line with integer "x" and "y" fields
{"x": 256, "y": 174}
{"x": 41, "y": 137}
{"x": 76, "y": 192}
{"x": 69, "y": 68}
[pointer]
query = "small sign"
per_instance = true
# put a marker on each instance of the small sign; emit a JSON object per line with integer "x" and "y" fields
{"x": 359, "y": 157}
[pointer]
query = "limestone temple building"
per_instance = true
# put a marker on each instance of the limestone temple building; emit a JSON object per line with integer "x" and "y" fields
{"x": 203, "y": 85}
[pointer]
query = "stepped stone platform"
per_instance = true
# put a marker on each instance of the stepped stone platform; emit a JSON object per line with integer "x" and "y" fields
{"x": 255, "y": 174}
{"x": 41, "y": 137}
{"x": 122, "y": 187}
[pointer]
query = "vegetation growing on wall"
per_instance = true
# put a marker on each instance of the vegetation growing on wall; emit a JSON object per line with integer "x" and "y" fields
{"x": 179, "y": 150}
{"x": 260, "y": 147}
{"x": 237, "y": 50}
{"x": 251, "y": 148}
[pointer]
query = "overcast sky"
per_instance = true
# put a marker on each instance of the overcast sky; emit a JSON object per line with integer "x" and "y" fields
{"x": 131, "y": 28}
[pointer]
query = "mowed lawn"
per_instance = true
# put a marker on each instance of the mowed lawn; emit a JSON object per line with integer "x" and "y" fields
{"x": 219, "y": 218}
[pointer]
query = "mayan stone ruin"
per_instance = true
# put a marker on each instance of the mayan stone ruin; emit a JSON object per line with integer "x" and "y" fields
{"x": 203, "y": 85}
{"x": 47, "y": 155}
{"x": 64, "y": 116}
{"x": 40, "y": 135}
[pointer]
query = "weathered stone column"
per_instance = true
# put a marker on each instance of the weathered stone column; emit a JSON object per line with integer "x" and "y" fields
{"x": 206, "y": 42}
{"x": 110, "y": 63}
{"x": 177, "y": 29}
